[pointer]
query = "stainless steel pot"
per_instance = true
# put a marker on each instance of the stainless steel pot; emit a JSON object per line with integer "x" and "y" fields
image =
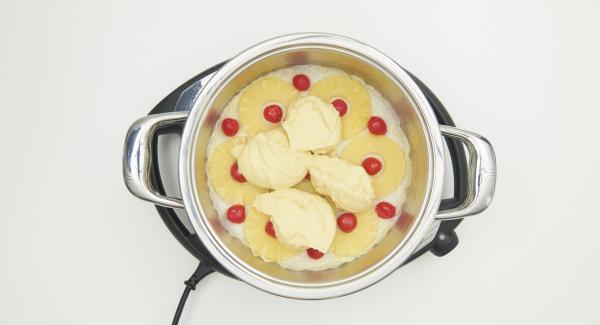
{"x": 418, "y": 122}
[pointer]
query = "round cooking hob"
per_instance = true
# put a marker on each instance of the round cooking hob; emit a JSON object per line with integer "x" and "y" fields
{"x": 183, "y": 98}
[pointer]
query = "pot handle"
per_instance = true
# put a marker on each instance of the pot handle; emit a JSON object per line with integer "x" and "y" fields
{"x": 481, "y": 175}
{"x": 137, "y": 157}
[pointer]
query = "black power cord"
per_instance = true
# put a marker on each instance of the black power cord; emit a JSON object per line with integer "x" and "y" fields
{"x": 201, "y": 271}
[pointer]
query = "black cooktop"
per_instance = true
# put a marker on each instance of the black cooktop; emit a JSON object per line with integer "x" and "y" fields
{"x": 183, "y": 98}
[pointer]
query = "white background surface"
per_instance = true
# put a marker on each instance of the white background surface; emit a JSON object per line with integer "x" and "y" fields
{"x": 77, "y": 248}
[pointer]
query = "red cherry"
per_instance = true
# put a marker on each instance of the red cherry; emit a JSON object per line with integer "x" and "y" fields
{"x": 372, "y": 165}
{"x": 236, "y": 213}
{"x": 273, "y": 113}
{"x": 270, "y": 230}
{"x": 230, "y": 126}
{"x": 346, "y": 222}
{"x": 385, "y": 210}
{"x": 315, "y": 254}
{"x": 301, "y": 82}
{"x": 377, "y": 125}
{"x": 340, "y": 105}
{"x": 236, "y": 174}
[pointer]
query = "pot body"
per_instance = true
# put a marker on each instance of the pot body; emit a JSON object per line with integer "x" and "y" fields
{"x": 417, "y": 121}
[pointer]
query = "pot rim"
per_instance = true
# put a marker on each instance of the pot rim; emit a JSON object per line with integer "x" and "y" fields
{"x": 359, "y": 281}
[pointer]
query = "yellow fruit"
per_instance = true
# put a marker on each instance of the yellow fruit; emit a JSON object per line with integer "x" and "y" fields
{"x": 263, "y": 245}
{"x": 360, "y": 239}
{"x": 356, "y": 96}
{"x": 257, "y": 96}
{"x": 219, "y": 166}
{"x": 387, "y": 151}
{"x": 306, "y": 186}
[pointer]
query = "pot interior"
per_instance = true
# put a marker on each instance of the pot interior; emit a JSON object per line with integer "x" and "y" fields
{"x": 411, "y": 123}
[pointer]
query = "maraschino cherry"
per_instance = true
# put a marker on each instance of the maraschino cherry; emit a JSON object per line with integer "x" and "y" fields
{"x": 273, "y": 113}
{"x": 377, "y": 125}
{"x": 372, "y": 165}
{"x": 340, "y": 105}
{"x": 385, "y": 210}
{"x": 301, "y": 82}
{"x": 270, "y": 230}
{"x": 236, "y": 174}
{"x": 315, "y": 254}
{"x": 236, "y": 213}
{"x": 346, "y": 222}
{"x": 230, "y": 126}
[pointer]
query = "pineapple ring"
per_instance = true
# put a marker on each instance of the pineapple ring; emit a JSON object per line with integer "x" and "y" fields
{"x": 394, "y": 163}
{"x": 257, "y": 96}
{"x": 261, "y": 244}
{"x": 354, "y": 93}
{"x": 306, "y": 186}
{"x": 230, "y": 190}
{"x": 359, "y": 240}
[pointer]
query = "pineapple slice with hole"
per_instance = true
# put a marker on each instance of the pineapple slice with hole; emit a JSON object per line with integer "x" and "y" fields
{"x": 306, "y": 186}
{"x": 257, "y": 96}
{"x": 261, "y": 244}
{"x": 356, "y": 96}
{"x": 381, "y": 147}
{"x": 219, "y": 175}
{"x": 358, "y": 241}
